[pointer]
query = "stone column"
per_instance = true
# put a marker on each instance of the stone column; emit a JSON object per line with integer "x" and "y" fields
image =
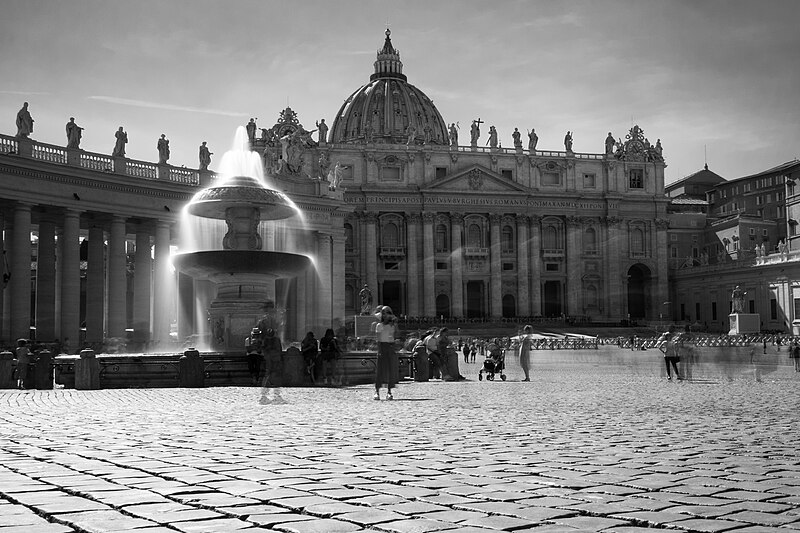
{"x": 574, "y": 266}
{"x": 5, "y": 312}
{"x": 95, "y": 286}
{"x": 163, "y": 284}
{"x": 337, "y": 295}
{"x": 117, "y": 279}
{"x": 523, "y": 271}
{"x": 20, "y": 266}
{"x": 300, "y": 317}
{"x": 428, "y": 266}
{"x": 614, "y": 286}
{"x": 456, "y": 264}
{"x": 324, "y": 300}
{"x": 536, "y": 266}
{"x": 371, "y": 253}
{"x": 46, "y": 281}
{"x": 142, "y": 281}
{"x": 70, "y": 275}
{"x": 495, "y": 267}
{"x": 412, "y": 261}
{"x": 662, "y": 262}
{"x": 185, "y": 302}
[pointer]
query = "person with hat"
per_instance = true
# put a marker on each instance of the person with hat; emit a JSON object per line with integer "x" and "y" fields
{"x": 252, "y": 345}
{"x": 387, "y": 365}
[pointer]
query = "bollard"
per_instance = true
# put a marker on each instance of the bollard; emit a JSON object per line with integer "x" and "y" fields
{"x": 7, "y": 371}
{"x": 191, "y": 370}
{"x": 421, "y": 364}
{"x": 43, "y": 370}
{"x": 87, "y": 371}
{"x": 293, "y": 368}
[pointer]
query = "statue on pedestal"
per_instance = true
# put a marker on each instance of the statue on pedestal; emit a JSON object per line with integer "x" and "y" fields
{"x": 322, "y": 130}
{"x": 122, "y": 140}
{"x": 411, "y": 133}
{"x": 517, "y": 136}
{"x": 475, "y": 131}
{"x": 74, "y": 134}
{"x": 737, "y": 299}
{"x": 205, "y": 156}
{"x": 492, "y": 142}
{"x": 24, "y": 122}
{"x": 453, "y": 134}
{"x": 568, "y": 141}
{"x": 251, "y": 131}
{"x": 610, "y": 144}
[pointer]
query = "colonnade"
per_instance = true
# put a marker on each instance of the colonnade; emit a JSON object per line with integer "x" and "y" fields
{"x": 55, "y": 276}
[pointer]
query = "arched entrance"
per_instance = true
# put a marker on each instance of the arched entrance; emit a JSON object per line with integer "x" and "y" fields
{"x": 639, "y": 280}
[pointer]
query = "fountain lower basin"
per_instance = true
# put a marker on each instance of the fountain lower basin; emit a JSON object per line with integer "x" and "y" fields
{"x": 216, "y": 264}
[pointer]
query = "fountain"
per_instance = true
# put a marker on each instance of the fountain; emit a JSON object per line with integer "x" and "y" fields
{"x": 242, "y": 271}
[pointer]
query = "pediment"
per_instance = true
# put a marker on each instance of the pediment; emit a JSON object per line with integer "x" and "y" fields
{"x": 475, "y": 179}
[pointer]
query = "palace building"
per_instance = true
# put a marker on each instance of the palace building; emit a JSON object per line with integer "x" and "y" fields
{"x": 391, "y": 200}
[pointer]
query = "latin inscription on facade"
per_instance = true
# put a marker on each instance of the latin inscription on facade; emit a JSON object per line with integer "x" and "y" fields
{"x": 461, "y": 200}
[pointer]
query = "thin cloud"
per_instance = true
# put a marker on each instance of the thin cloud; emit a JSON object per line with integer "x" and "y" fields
{"x": 25, "y": 93}
{"x": 168, "y": 107}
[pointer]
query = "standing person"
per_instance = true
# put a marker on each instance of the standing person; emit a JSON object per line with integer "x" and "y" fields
{"x": 252, "y": 346}
{"x": 525, "y": 351}
{"x": 308, "y": 348}
{"x": 329, "y": 353}
{"x": 473, "y": 351}
{"x": 794, "y": 353}
{"x": 23, "y": 358}
{"x": 273, "y": 357}
{"x": 669, "y": 347}
{"x": 466, "y": 352}
{"x": 386, "y": 368}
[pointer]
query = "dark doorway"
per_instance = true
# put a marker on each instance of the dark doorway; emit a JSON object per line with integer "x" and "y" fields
{"x": 509, "y": 306}
{"x": 551, "y": 294}
{"x": 475, "y": 299}
{"x": 638, "y": 290}
{"x": 391, "y": 296}
{"x": 443, "y": 306}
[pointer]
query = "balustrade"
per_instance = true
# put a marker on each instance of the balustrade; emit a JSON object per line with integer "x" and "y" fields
{"x": 141, "y": 170}
{"x": 184, "y": 175}
{"x": 472, "y": 251}
{"x": 46, "y": 152}
{"x": 8, "y": 145}
{"x": 96, "y": 162}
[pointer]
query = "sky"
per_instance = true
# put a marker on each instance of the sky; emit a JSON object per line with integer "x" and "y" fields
{"x": 718, "y": 81}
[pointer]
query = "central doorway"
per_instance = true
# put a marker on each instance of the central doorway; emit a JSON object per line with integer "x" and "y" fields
{"x": 475, "y": 306}
{"x": 551, "y": 296}
{"x": 391, "y": 296}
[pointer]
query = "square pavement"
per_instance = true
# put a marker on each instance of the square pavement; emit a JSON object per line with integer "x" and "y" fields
{"x": 581, "y": 447}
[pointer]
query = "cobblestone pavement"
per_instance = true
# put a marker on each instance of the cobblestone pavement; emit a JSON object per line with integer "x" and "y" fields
{"x": 580, "y": 448}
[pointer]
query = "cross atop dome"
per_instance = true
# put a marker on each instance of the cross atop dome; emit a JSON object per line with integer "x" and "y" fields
{"x": 388, "y": 64}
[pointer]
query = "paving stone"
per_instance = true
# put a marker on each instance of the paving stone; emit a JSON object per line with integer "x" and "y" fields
{"x": 41, "y": 527}
{"x": 420, "y": 525}
{"x": 101, "y": 521}
{"x": 762, "y": 519}
{"x": 707, "y": 526}
{"x": 368, "y": 517}
{"x": 322, "y": 525}
{"x": 214, "y": 525}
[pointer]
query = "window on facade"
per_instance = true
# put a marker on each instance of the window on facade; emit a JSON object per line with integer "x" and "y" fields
{"x": 474, "y": 236}
{"x": 390, "y": 174}
{"x": 752, "y": 231}
{"x": 697, "y": 311}
{"x": 591, "y": 296}
{"x": 752, "y": 305}
{"x": 349, "y": 297}
{"x": 508, "y": 266}
{"x": 673, "y": 237}
{"x": 391, "y": 266}
{"x": 773, "y": 309}
{"x": 349, "y": 243}
{"x": 441, "y": 172}
{"x": 550, "y": 238}
{"x": 441, "y": 238}
{"x": 713, "y": 310}
{"x": 590, "y": 240}
{"x": 636, "y": 178}
{"x": 551, "y": 267}
{"x": 391, "y": 235}
{"x": 507, "y": 239}
{"x": 673, "y": 251}
{"x": 588, "y": 181}
{"x": 637, "y": 240}
{"x": 441, "y": 266}
{"x": 551, "y": 179}
{"x": 507, "y": 174}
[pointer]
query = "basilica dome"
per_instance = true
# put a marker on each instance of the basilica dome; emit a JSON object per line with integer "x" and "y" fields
{"x": 388, "y": 109}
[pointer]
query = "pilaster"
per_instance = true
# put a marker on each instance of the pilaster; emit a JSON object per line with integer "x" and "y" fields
{"x": 523, "y": 270}
{"x": 536, "y": 265}
{"x": 428, "y": 265}
{"x": 496, "y": 301}
{"x": 412, "y": 261}
{"x": 456, "y": 264}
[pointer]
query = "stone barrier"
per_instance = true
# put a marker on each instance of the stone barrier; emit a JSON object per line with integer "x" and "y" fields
{"x": 43, "y": 370}
{"x": 191, "y": 370}
{"x": 87, "y": 371}
{"x": 7, "y": 380}
{"x": 293, "y": 368}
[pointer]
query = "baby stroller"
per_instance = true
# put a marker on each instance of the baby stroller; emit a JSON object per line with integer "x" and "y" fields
{"x": 495, "y": 363}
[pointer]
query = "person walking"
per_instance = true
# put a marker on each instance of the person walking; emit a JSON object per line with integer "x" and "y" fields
{"x": 465, "y": 351}
{"x": 794, "y": 353}
{"x": 273, "y": 357}
{"x": 309, "y": 351}
{"x": 329, "y": 354}
{"x": 669, "y": 348}
{"x": 252, "y": 346}
{"x": 386, "y": 367}
{"x": 525, "y": 351}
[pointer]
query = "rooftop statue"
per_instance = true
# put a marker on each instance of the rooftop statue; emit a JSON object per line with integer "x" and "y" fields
{"x": 163, "y": 150}
{"x": 335, "y": 175}
{"x": 475, "y": 131}
{"x": 74, "y": 133}
{"x": 533, "y": 140}
{"x": 517, "y": 136}
{"x": 322, "y": 128}
{"x": 24, "y": 122}
{"x": 453, "y": 130}
{"x": 205, "y": 156}
{"x": 610, "y": 144}
{"x": 492, "y": 142}
{"x": 568, "y": 141}
{"x": 411, "y": 133}
{"x": 251, "y": 131}
{"x": 122, "y": 140}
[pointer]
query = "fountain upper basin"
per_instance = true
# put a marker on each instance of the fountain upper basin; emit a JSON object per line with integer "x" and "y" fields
{"x": 210, "y": 264}
{"x": 239, "y": 191}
